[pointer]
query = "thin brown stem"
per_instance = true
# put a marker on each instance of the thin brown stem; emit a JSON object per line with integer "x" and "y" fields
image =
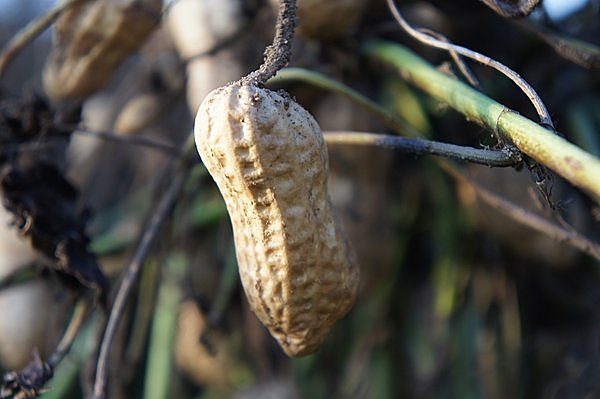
{"x": 535, "y": 99}
{"x": 496, "y": 158}
{"x": 111, "y": 136}
{"x": 460, "y": 64}
{"x": 30, "y": 32}
{"x": 162, "y": 211}
{"x": 63, "y": 347}
{"x": 278, "y": 54}
{"x": 527, "y": 218}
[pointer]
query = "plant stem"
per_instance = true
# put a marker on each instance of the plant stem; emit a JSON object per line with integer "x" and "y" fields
{"x": 497, "y": 158}
{"x": 161, "y": 212}
{"x": 569, "y": 161}
{"x": 117, "y": 138}
{"x": 429, "y": 40}
{"x": 278, "y": 54}
{"x": 528, "y": 218}
{"x": 159, "y": 366}
{"x": 517, "y": 213}
{"x": 79, "y": 314}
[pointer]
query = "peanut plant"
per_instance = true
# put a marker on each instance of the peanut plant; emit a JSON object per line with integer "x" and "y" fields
{"x": 300, "y": 199}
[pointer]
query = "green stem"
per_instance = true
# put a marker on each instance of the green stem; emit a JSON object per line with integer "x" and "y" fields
{"x": 546, "y": 147}
{"x": 160, "y": 349}
{"x": 326, "y": 83}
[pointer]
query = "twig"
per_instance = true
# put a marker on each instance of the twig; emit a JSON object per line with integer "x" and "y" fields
{"x": 566, "y": 159}
{"x": 570, "y": 48}
{"x": 535, "y": 99}
{"x": 462, "y": 66}
{"x": 30, "y": 381}
{"x": 528, "y": 218}
{"x": 277, "y": 55}
{"x": 161, "y": 212}
{"x": 31, "y": 146}
{"x": 81, "y": 309}
{"x": 82, "y": 130}
{"x": 497, "y": 158}
{"x": 143, "y": 314}
{"x": 512, "y": 9}
{"x": 30, "y": 32}
{"x": 111, "y": 136}
{"x": 474, "y": 112}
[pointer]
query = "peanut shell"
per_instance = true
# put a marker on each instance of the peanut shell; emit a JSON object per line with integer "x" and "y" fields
{"x": 90, "y": 42}
{"x": 269, "y": 160}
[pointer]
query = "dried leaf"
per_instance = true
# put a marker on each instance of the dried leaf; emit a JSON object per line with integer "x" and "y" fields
{"x": 44, "y": 206}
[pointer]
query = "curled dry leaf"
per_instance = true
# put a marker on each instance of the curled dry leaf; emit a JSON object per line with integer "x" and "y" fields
{"x": 43, "y": 204}
{"x": 91, "y": 40}
{"x": 268, "y": 157}
{"x": 327, "y": 19}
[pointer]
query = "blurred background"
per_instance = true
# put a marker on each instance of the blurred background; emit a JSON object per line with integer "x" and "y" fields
{"x": 457, "y": 299}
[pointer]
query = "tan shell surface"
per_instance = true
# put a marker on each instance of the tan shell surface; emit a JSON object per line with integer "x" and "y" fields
{"x": 139, "y": 112}
{"x": 90, "y": 42}
{"x": 269, "y": 160}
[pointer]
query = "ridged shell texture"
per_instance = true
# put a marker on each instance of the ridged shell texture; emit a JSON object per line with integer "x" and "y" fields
{"x": 269, "y": 160}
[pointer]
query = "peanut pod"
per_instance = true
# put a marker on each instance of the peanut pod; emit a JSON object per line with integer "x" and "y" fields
{"x": 90, "y": 42}
{"x": 269, "y": 160}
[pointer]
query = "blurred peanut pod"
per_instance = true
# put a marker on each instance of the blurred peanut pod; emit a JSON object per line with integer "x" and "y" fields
{"x": 201, "y": 362}
{"x": 138, "y": 113}
{"x": 327, "y": 19}
{"x": 90, "y": 42}
{"x": 198, "y": 26}
{"x": 32, "y": 312}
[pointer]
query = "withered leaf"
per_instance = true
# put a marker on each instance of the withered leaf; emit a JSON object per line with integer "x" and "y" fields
{"x": 44, "y": 206}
